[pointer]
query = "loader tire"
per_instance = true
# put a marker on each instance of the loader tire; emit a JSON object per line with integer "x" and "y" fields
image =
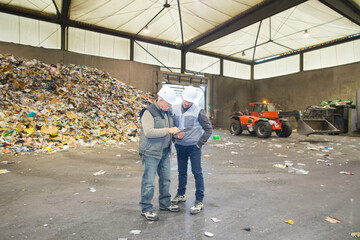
{"x": 235, "y": 127}
{"x": 285, "y": 131}
{"x": 263, "y": 129}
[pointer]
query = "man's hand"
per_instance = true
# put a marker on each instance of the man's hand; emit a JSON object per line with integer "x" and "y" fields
{"x": 173, "y": 130}
{"x": 180, "y": 135}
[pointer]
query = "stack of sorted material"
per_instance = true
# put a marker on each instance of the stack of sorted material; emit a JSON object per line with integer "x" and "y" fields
{"x": 48, "y": 108}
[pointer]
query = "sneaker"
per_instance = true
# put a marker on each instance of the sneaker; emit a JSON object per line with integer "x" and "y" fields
{"x": 171, "y": 208}
{"x": 150, "y": 216}
{"x": 197, "y": 207}
{"x": 178, "y": 198}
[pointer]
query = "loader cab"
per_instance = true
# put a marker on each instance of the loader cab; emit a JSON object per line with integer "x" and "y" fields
{"x": 262, "y": 107}
{"x": 263, "y": 110}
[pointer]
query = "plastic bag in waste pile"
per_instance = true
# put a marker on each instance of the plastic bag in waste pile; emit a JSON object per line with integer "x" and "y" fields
{"x": 49, "y": 108}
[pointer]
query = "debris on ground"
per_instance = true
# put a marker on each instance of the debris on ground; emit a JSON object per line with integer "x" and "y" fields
{"x": 346, "y": 173}
{"x": 4, "y": 171}
{"x": 101, "y": 172}
{"x": 246, "y": 229}
{"x": 291, "y": 222}
{"x": 333, "y": 219}
{"x": 135, "y": 232}
{"x": 209, "y": 234}
{"x": 50, "y": 108}
{"x": 355, "y": 234}
{"x": 215, "y": 220}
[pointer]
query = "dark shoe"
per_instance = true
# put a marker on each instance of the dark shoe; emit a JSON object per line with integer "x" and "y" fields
{"x": 198, "y": 206}
{"x": 171, "y": 208}
{"x": 178, "y": 198}
{"x": 150, "y": 216}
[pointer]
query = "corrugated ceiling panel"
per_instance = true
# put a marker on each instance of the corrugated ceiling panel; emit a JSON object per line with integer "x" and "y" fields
{"x": 287, "y": 29}
{"x": 45, "y": 6}
{"x": 132, "y": 15}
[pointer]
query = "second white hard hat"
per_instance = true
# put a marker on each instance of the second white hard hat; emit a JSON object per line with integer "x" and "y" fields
{"x": 189, "y": 94}
{"x": 167, "y": 94}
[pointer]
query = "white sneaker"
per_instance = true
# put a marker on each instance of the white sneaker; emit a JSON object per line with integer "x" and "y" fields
{"x": 151, "y": 216}
{"x": 198, "y": 206}
{"x": 178, "y": 198}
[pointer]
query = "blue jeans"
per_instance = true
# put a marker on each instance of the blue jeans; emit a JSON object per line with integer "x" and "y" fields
{"x": 183, "y": 154}
{"x": 162, "y": 167}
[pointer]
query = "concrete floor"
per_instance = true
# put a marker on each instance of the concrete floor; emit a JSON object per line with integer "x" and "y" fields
{"x": 47, "y": 196}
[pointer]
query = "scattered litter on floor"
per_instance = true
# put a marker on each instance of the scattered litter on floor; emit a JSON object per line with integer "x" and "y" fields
{"x": 7, "y": 162}
{"x": 209, "y": 234}
{"x": 346, "y": 173}
{"x": 333, "y": 219}
{"x": 246, "y": 229}
{"x": 288, "y": 163}
{"x": 282, "y": 156}
{"x": 46, "y": 225}
{"x": 118, "y": 155}
{"x": 355, "y": 234}
{"x": 135, "y": 232}
{"x": 92, "y": 189}
{"x": 215, "y": 220}
{"x": 279, "y": 165}
{"x": 4, "y": 171}
{"x": 132, "y": 150}
{"x": 291, "y": 222}
{"x": 216, "y": 137}
{"x": 234, "y": 153}
{"x": 297, "y": 170}
{"x": 206, "y": 156}
{"x": 101, "y": 172}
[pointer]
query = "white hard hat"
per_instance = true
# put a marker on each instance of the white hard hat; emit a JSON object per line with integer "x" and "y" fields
{"x": 189, "y": 94}
{"x": 167, "y": 94}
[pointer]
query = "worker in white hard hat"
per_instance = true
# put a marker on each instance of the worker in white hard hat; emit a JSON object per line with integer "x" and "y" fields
{"x": 157, "y": 127}
{"x": 196, "y": 130}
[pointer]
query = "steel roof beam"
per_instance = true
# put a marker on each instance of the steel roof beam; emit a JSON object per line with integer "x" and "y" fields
{"x": 22, "y": 12}
{"x": 253, "y": 15}
{"x": 64, "y": 15}
{"x": 345, "y": 8}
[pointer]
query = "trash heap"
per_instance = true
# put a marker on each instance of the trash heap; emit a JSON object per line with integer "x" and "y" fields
{"x": 337, "y": 102}
{"x": 49, "y": 108}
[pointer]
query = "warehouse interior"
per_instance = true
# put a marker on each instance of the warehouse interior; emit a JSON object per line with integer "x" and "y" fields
{"x": 292, "y": 53}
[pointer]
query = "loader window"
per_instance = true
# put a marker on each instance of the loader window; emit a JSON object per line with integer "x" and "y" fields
{"x": 271, "y": 107}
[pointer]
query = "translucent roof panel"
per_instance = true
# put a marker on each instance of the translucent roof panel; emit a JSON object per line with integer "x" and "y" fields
{"x": 42, "y": 6}
{"x": 284, "y": 32}
{"x": 131, "y": 16}
{"x": 237, "y": 30}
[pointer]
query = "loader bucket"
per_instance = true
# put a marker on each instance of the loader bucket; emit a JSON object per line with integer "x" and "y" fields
{"x": 315, "y": 126}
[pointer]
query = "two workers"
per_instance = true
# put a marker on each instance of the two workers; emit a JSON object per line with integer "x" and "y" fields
{"x": 188, "y": 124}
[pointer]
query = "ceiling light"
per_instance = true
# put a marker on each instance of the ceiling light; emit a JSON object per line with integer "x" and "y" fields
{"x": 306, "y": 34}
{"x": 146, "y": 29}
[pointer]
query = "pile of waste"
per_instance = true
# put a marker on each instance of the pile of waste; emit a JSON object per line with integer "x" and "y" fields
{"x": 337, "y": 102}
{"x": 49, "y": 108}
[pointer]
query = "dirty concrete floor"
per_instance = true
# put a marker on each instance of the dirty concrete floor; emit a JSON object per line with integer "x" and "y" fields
{"x": 47, "y": 196}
